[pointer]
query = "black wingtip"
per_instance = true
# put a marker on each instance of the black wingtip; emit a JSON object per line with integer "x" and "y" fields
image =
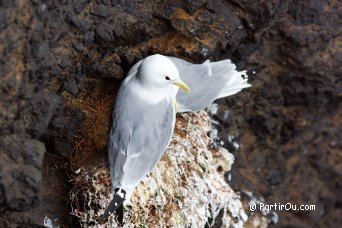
{"x": 120, "y": 215}
{"x": 116, "y": 204}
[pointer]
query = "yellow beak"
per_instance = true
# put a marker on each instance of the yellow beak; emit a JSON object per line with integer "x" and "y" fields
{"x": 182, "y": 85}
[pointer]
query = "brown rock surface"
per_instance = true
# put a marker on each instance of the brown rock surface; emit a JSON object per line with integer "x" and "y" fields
{"x": 289, "y": 123}
{"x": 61, "y": 63}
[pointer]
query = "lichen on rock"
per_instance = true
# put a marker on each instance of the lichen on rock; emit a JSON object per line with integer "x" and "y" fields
{"x": 186, "y": 188}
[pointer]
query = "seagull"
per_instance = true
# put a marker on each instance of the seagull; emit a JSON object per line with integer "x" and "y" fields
{"x": 144, "y": 113}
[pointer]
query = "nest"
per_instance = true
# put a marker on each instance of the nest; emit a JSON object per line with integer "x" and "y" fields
{"x": 186, "y": 188}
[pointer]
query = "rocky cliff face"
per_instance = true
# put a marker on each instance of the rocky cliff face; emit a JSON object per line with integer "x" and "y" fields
{"x": 290, "y": 121}
{"x": 61, "y": 63}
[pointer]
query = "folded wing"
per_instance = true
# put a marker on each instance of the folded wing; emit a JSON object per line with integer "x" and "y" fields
{"x": 207, "y": 81}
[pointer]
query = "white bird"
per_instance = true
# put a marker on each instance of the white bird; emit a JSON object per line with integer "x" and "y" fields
{"x": 145, "y": 112}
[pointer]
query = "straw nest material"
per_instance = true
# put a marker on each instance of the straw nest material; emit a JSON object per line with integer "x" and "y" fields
{"x": 186, "y": 188}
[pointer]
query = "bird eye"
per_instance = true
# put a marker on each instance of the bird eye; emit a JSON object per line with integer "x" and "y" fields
{"x": 167, "y": 78}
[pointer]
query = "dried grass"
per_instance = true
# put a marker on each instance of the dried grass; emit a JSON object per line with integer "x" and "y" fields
{"x": 183, "y": 189}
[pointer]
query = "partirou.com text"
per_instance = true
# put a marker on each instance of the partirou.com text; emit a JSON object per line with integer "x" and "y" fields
{"x": 280, "y": 207}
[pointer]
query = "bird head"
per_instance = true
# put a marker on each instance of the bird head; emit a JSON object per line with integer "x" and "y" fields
{"x": 157, "y": 71}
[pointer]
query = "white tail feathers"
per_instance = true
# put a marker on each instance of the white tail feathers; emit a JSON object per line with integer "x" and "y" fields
{"x": 208, "y": 81}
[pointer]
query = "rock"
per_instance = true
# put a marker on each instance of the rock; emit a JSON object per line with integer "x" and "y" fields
{"x": 65, "y": 124}
{"x": 42, "y": 50}
{"x": 104, "y": 32}
{"x": 19, "y": 185}
{"x": 64, "y": 61}
{"x": 70, "y": 85}
{"x": 192, "y": 6}
{"x": 292, "y": 104}
{"x": 106, "y": 2}
{"x": 183, "y": 189}
{"x": 287, "y": 112}
{"x": 108, "y": 67}
{"x": 132, "y": 56}
{"x": 80, "y": 5}
{"x": 88, "y": 38}
{"x": 79, "y": 47}
{"x": 81, "y": 23}
{"x": 38, "y": 116}
{"x": 101, "y": 11}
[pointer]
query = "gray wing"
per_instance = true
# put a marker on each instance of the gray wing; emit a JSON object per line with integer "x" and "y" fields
{"x": 139, "y": 137}
{"x": 207, "y": 82}
{"x": 119, "y": 137}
